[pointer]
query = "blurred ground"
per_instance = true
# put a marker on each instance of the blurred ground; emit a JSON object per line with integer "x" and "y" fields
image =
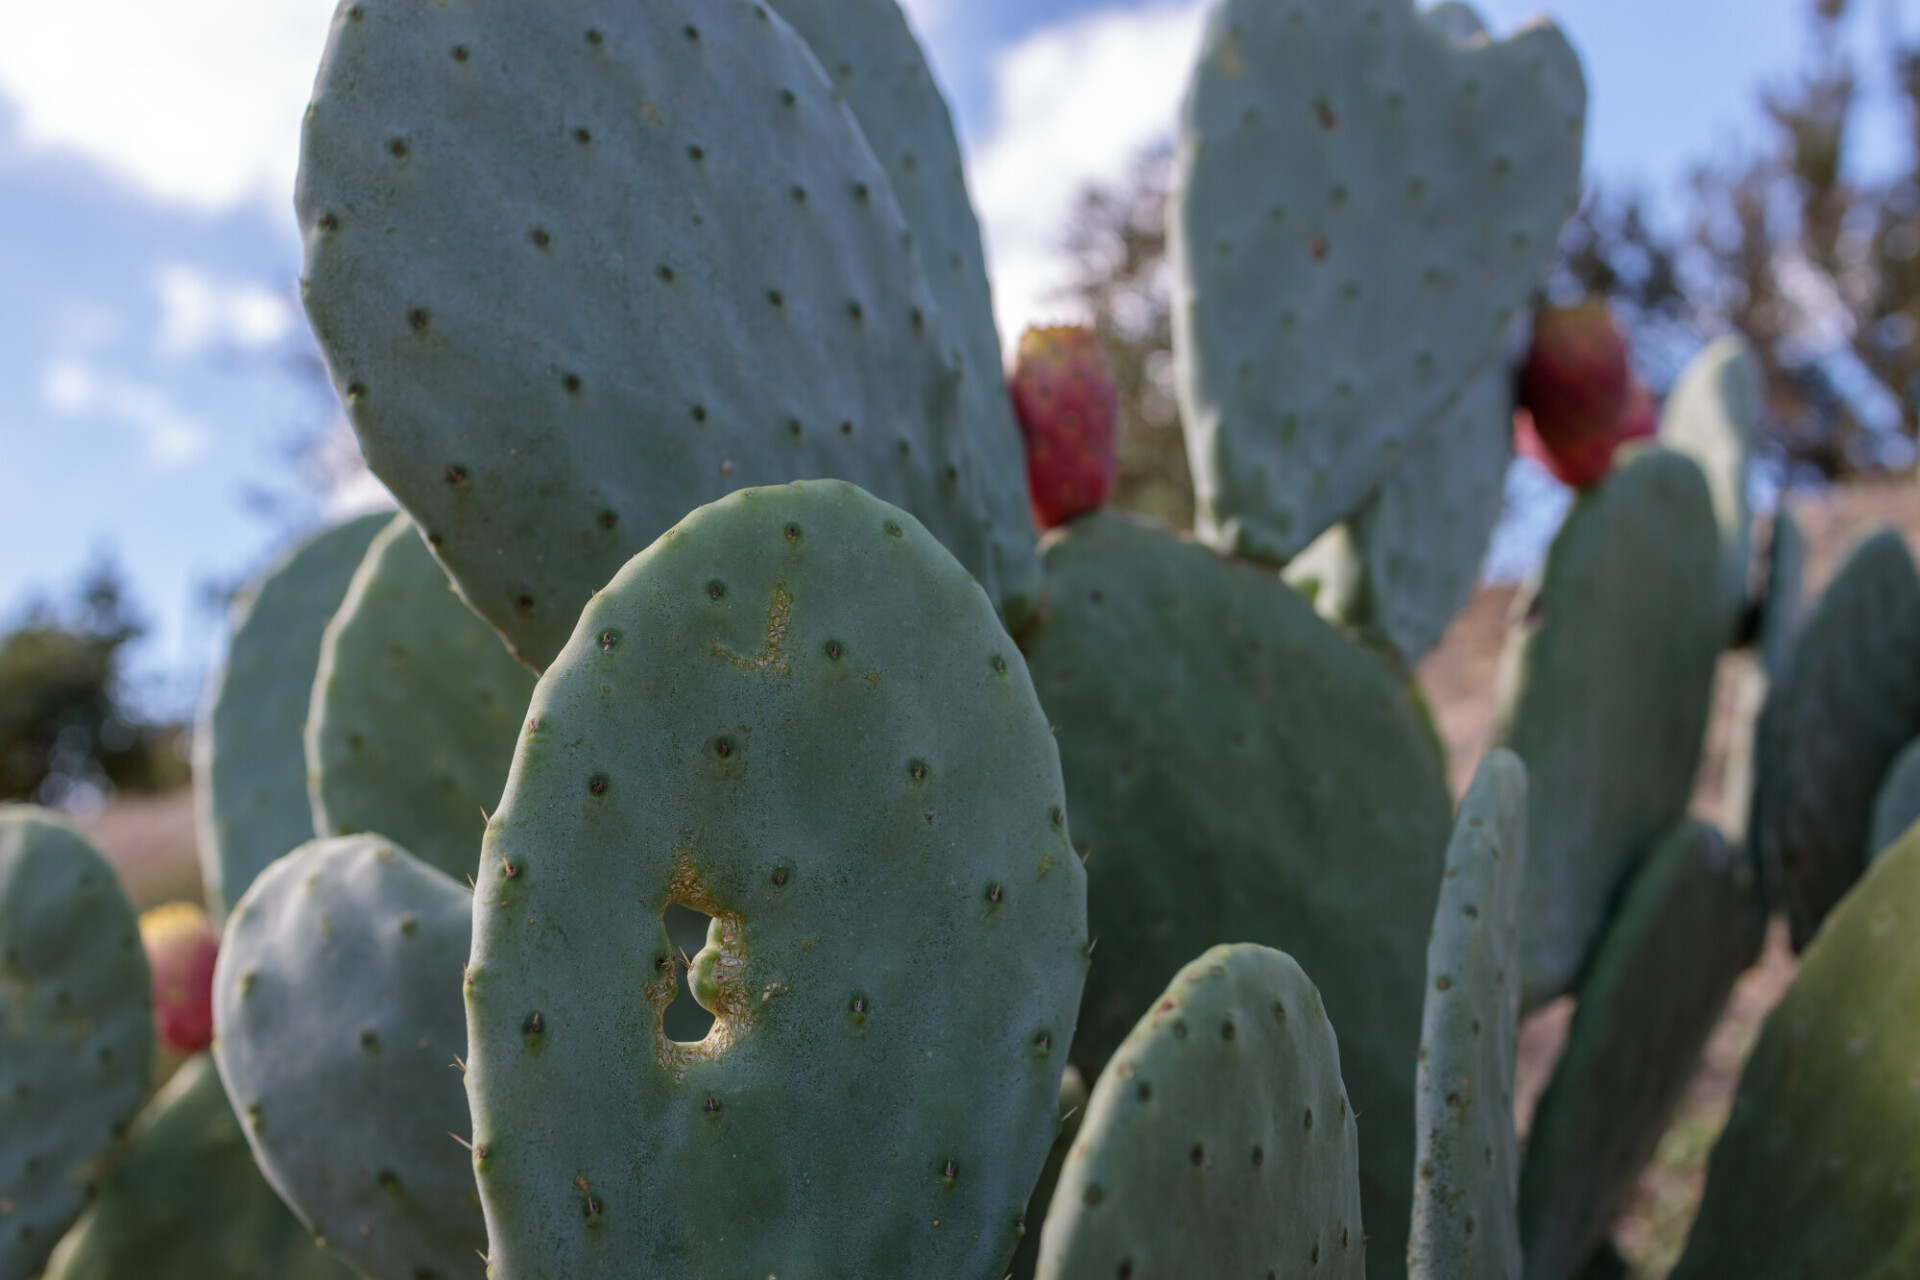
{"x": 151, "y": 841}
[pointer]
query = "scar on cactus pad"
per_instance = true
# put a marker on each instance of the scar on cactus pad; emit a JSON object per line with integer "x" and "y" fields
{"x": 181, "y": 946}
{"x": 1579, "y": 398}
{"x": 1069, "y": 409}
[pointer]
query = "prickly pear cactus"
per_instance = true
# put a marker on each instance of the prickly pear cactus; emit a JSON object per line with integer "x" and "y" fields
{"x": 870, "y": 54}
{"x": 337, "y": 1001}
{"x": 416, "y": 709}
{"x": 1219, "y": 1140}
{"x": 1406, "y": 563}
{"x": 1604, "y": 688}
{"x": 76, "y": 1028}
{"x": 1847, "y": 703}
{"x": 249, "y": 768}
{"x": 1897, "y": 807}
{"x": 189, "y": 1203}
{"x": 1073, "y": 1111}
{"x": 1713, "y": 416}
{"x": 1239, "y": 770}
{"x": 1467, "y": 1171}
{"x": 798, "y": 714}
{"x": 1814, "y": 1175}
{"x": 542, "y": 243}
{"x": 1347, "y": 172}
{"x": 1783, "y": 612}
{"x": 1689, "y": 925}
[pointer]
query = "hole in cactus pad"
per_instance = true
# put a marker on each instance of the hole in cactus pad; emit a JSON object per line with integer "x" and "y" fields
{"x": 685, "y": 1021}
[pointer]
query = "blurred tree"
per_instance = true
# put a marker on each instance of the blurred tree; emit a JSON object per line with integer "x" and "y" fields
{"x": 66, "y": 731}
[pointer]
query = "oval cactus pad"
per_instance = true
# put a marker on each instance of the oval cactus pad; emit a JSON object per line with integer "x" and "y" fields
{"x": 1362, "y": 203}
{"x": 341, "y": 1029}
{"x": 1219, "y": 1141}
{"x": 76, "y": 1028}
{"x": 576, "y": 267}
{"x": 797, "y": 714}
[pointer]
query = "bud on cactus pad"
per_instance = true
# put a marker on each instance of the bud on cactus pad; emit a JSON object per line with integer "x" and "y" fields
{"x": 181, "y": 946}
{"x": 1064, "y": 396}
{"x": 1579, "y": 399}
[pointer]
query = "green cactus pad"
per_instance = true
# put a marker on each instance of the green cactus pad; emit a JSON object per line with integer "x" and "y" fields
{"x": 798, "y": 714}
{"x": 189, "y": 1203}
{"x": 1406, "y": 563}
{"x": 1815, "y": 1173}
{"x": 249, "y": 768}
{"x": 1897, "y": 807}
{"x": 1847, "y": 704}
{"x": 339, "y": 1031}
{"x": 1604, "y": 689}
{"x": 1218, "y": 1141}
{"x": 76, "y": 1028}
{"x": 1467, "y": 1171}
{"x": 1073, "y": 1111}
{"x": 1362, "y": 204}
{"x": 416, "y": 709}
{"x": 870, "y": 54}
{"x": 575, "y": 269}
{"x": 1712, "y": 415}
{"x": 1783, "y": 612}
{"x": 1689, "y": 924}
{"x": 1239, "y": 770}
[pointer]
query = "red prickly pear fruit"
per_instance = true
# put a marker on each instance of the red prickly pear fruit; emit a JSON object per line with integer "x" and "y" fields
{"x": 1642, "y": 417}
{"x": 1069, "y": 409}
{"x": 1578, "y": 374}
{"x": 1585, "y": 462}
{"x": 181, "y": 946}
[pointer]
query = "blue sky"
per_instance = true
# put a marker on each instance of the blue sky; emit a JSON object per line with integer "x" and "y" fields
{"x": 151, "y": 342}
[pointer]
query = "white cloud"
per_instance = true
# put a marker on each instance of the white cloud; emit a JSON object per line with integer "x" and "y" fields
{"x": 172, "y": 436}
{"x": 198, "y": 312}
{"x": 1074, "y": 103}
{"x": 198, "y": 103}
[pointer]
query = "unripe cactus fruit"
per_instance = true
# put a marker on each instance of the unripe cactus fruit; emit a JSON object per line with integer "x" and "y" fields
{"x": 181, "y": 946}
{"x": 1069, "y": 409}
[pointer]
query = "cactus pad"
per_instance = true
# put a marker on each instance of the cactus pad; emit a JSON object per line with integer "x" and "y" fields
{"x": 416, "y": 709}
{"x": 1689, "y": 924}
{"x": 796, "y": 713}
{"x": 76, "y": 1028}
{"x": 189, "y": 1203}
{"x": 870, "y": 54}
{"x": 1712, "y": 415}
{"x": 575, "y": 268}
{"x": 337, "y": 1000}
{"x": 1847, "y": 704}
{"x": 1467, "y": 1171}
{"x": 249, "y": 768}
{"x": 1239, "y": 770}
{"x": 1362, "y": 203}
{"x": 1604, "y": 688}
{"x": 1815, "y": 1174}
{"x": 1406, "y": 563}
{"x": 1897, "y": 807}
{"x": 1219, "y": 1140}
{"x": 1073, "y": 1111}
{"x": 1783, "y": 611}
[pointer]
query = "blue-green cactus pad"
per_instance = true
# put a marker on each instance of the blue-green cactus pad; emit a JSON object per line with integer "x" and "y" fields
{"x": 339, "y": 1032}
{"x": 249, "y": 766}
{"x": 189, "y": 1203}
{"x": 1783, "y": 611}
{"x": 1406, "y": 563}
{"x": 1219, "y": 1140}
{"x": 1847, "y": 704}
{"x": 1467, "y": 1171}
{"x": 578, "y": 268}
{"x": 416, "y": 709}
{"x": 1897, "y": 807}
{"x": 1239, "y": 770}
{"x": 1604, "y": 688}
{"x": 1713, "y": 416}
{"x": 1816, "y": 1172}
{"x": 1689, "y": 925}
{"x": 796, "y": 713}
{"x": 870, "y": 54}
{"x": 1362, "y": 204}
{"x": 76, "y": 1029}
